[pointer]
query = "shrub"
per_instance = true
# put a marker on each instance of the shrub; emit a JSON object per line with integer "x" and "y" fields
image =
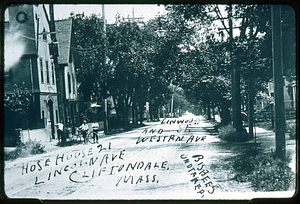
{"x": 25, "y": 149}
{"x": 265, "y": 172}
{"x": 291, "y": 128}
{"x": 69, "y": 143}
{"x": 265, "y": 125}
{"x": 230, "y": 134}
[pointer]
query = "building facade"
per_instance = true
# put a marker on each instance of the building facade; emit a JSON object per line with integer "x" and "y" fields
{"x": 28, "y": 61}
{"x": 67, "y": 60}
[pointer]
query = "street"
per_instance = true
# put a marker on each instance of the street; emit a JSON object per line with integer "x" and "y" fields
{"x": 141, "y": 79}
{"x": 163, "y": 160}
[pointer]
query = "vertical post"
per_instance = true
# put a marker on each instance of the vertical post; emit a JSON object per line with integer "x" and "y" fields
{"x": 233, "y": 90}
{"x": 59, "y": 77}
{"x": 250, "y": 87}
{"x": 172, "y": 105}
{"x": 105, "y": 77}
{"x": 235, "y": 80}
{"x": 250, "y": 108}
{"x": 272, "y": 115}
{"x": 213, "y": 112}
{"x": 278, "y": 81}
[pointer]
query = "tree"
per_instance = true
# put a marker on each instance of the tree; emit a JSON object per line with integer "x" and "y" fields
{"x": 17, "y": 107}
{"x": 128, "y": 66}
{"x": 181, "y": 104}
{"x": 165, "y": 56}
{"x": 206, "y": 79}
{"x": 253, "y": 40}
{"x": 89, "y": 37}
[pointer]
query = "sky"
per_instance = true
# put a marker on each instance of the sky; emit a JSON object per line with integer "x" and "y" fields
{"x": 62, "y": 11}
{"x": 148, "y": 11}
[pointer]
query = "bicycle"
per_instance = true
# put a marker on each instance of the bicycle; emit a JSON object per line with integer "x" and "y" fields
{"x": 91, "y": 136}
{"x": 78, "y": 135}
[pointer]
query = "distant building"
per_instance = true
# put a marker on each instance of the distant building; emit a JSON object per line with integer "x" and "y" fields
{"x": 290, "y": 98}
{"x": 28, "y": 60}
{"x": 67, "y": 61}
{"x": 289, "y": 93}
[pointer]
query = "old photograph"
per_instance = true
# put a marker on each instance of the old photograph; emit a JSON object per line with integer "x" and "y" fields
{"x": 150, "y": 101}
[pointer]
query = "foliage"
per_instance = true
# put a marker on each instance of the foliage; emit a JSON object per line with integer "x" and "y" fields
{"x": 193, "y": 54}
{"x": 128, "y": 65}
{"x": 207, "y": 79}
{"x": 180, "y": 101}
{"x": 267, "y": 125}
{"x": 292, "y": 129}
{"x": 230, "y": 134}
{"x": 139, "y": 65}
{"x": 264, "y": 171}
{"x": 89, "y": 39}
{"x": 211, "y": 59}
{"x": 17, "y": 105}
{"x": 167, "y": 58}
{"x": 19, "y": 101}
{"x": 69, "y": 143}
{"x": 25, "y": 149}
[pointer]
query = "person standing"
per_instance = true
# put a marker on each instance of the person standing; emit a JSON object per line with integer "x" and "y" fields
{"x": 60, "y": 130}
{"x": 95, "y": 127}
{"x": 84, "y": 128}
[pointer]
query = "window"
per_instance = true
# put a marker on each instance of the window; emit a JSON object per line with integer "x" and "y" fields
{"x": 44, "y": 34}
{"x": 56, "y": 113}
{"x": 8, "y": 77}
{"x": 43, "y": 117}
{"x": 42, "y": 70}
{"x": 73, "y": 84}
{"x": 69, "y": 82}
{"x": 47, "y": 70}
{"x": 53, "y": 76}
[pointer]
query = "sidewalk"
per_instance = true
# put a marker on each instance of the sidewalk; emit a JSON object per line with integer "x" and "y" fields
{"x": 267, "y": 141}
{"x": 53, "y": 145}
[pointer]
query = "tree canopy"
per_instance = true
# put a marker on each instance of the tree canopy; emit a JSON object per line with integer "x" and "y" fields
{"x": 197, "y": 53}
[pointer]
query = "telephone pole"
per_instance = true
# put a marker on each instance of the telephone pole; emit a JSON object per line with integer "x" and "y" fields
{"x": 59, "y": 73}
{"x": 250, "y": 85}
{"x": 278, "y": 80}
{"x": 104, "y": 103}
{"x": 134, "y": 18}
{"x": 235, "y": 80}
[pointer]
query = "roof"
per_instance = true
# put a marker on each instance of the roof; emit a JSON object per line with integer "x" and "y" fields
{"x": 63, "y": 33}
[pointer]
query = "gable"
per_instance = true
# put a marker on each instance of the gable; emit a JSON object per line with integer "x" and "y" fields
{"x": 63, "y": 33}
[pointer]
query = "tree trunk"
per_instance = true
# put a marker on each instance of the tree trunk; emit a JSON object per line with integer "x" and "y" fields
{"x": 125, "y": 115}
{"x": 134, "y": 113}
{"x": 224, "y": 114}
{"x": 250, "y": 109}
{"x": 117, "y": 111}
{"x": 235, "y": 80}
{"x": 213, "y": 111}
{"x": 208, "y": 112}
{"x": 141, "y": 112}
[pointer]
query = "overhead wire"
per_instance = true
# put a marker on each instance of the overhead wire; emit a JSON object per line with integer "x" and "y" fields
{"x": 43, "y": 41}
{"x": 78, "y": 49}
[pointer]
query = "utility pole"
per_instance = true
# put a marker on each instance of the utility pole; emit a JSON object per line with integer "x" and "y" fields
{"x": 235, "y": 80}
{"x": 250, "y": 86}
{"x": 105, "y": 108}
{"x": 278, "y": 80}
{"x": 134, "y": 18}
{"x": 59, "y": 75}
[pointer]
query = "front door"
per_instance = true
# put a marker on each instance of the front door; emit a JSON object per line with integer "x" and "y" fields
{"x": 50, "y": 106}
